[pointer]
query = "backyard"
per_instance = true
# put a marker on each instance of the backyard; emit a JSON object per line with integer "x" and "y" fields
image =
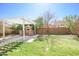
{"x": 61, "y": 45}
{"x": 47, "y": 37}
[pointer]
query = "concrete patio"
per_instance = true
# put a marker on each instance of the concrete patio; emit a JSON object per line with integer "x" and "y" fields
{"x": 16, "y": 38}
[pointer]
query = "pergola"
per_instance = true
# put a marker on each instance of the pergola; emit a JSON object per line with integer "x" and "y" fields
{"x": 21, "y": 21}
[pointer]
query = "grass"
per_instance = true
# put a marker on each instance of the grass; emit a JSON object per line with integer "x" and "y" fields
{"x": 61, "y": 45}
{"x": 9, "y": 47}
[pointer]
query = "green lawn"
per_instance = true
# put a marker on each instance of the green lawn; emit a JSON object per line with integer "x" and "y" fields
{"x": 61, "y": 45}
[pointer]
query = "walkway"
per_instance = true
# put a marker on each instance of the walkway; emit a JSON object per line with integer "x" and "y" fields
{"x": 16, "y": 38}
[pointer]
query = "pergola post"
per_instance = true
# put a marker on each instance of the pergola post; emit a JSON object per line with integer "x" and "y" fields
{"x": 34, "y": 29}
{"x": 3, "y": 29}
{"x": 23, "y": 30}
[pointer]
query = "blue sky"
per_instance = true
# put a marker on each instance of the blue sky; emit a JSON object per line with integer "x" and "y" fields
{"x": 31, "y": 10}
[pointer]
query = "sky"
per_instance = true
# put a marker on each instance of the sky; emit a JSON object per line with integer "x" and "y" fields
{"x": 34, "y": 10}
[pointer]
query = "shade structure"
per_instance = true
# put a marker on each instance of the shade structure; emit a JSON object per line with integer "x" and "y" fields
{"x": 19, "y": 21}
{"x": 22, "y": 21}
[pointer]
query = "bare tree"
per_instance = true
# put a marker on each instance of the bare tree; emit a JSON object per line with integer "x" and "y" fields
{"x": 46, "y": 19}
